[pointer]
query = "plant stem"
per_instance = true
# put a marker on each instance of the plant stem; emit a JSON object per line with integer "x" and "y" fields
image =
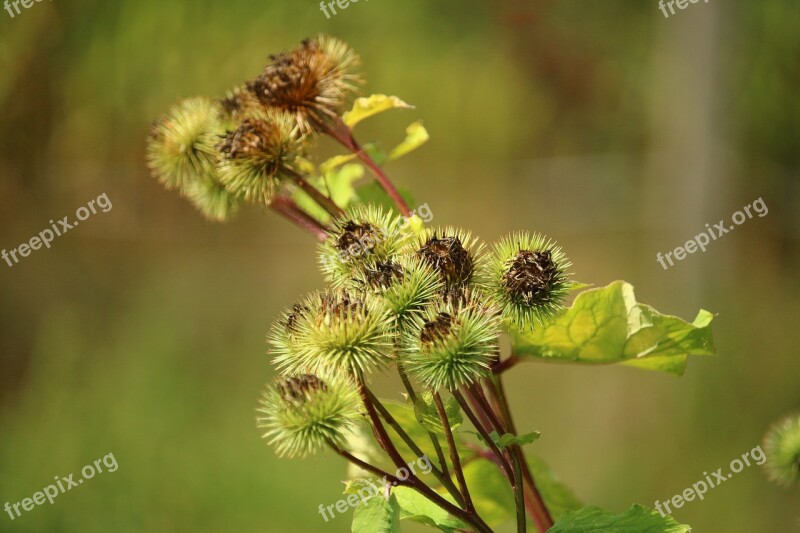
{"x": 445, "y": 481}
{"x": 434, "y": 439}
{"x": 519, "y": 495}
{"x": 289, "y": 210}
{"x": 344, "y": 135}
{"x": 533, "y": 499}
{"x": 483, "y": 433}
{"x": 413, "y": 481}
{"x": 454, "y": 458}
{"x": 323, "y": 201}
{"x": 367, "y": 466}
{"x": 502, "y": 366}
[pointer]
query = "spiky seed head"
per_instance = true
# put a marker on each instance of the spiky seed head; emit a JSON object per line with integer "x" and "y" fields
{"x": 212, "y": 199}
{"x": 782, "y": 448}
{"x": 311, "y": 82}
{"x": 453, "y": 253}
{"x": 527, "y": 275}
{"x": 449, "y": 345}
{"x": 303, "y": 413}
{"x": 181, "y": 147}
{"x": 256, "y": 155}
{"x": 283, "y": 339}
{"x": 367, "y": 235}
{"x": 405, "y": 283}
{"x": 239, "y": 103}
{"x": 338, "y": 332}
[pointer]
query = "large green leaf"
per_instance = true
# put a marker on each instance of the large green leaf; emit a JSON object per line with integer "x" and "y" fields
{"x": 491, "y": 493}
{"x": 365, "y": 107}
{"x": 416, "y": 507}
{"x": 416, "y": 136}
{"x": 377, "y": 515}
{"x": 607, "y": 325}
{"x": 557, "y": 496}
{"x": 637, "y": 519}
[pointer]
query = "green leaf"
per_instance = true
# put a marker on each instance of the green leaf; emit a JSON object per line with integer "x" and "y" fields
{"x": 557, "y": 496}
{"x": 607, "y": 325}
{"x": 490, "y": 491}
{"x": 372, "y": 193}
{"x": 361, "y": 443}
{"x": 338, "y": 160}
{"x": 637, "y": 519}
{"x": 338, "y": 183}
{"x": 365, "y": 107}
{"x": 427, "y": 414}
{"x": 507, "y": 439}
{"x": 416, "y": 136}
{"x": 416, "y": 507}
{"x": 377, "y": 515}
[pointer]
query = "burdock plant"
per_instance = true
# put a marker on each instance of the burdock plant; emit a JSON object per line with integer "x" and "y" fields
{"x": 435, "y": 305}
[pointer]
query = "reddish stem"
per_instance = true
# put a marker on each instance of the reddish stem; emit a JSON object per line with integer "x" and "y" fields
{"x": 344, "y": 135}
{"x": 289, "y": 210}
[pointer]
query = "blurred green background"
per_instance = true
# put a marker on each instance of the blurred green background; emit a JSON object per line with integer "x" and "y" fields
{"x": 614, "y": 130}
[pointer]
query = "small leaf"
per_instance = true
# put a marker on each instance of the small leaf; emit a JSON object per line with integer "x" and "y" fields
{"x": 427, "y": 414}
{"x": 377, "y": 515}
{"x": 416, "y": 136}
{"x": 339, "y": 186}
{"x": 507, "y": 439}
{"x": 365, "y": 107}
{"x": 372, "y": 193}
{"x": 637, "y": 519}
{"x": 557, "y": 496}
{"x": 329, "y": 164}
{"x": 490, "y": 491}
{"x": 416, "y": 507}
{"x": 607, "y": 325}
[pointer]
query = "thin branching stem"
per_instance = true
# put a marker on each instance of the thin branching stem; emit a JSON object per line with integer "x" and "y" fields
{"x": 483, "y": 433}
{"x": 533, "y": 499}
{"x": 413, "y": 481}
{"x": 323, "y": 201}
{"x": 341, "y": 133}
{"x": 454, "y": 458}
{"x": 434, "y": 438}
{"x": 290, "y": 211}
{"x": 445, "y": 481}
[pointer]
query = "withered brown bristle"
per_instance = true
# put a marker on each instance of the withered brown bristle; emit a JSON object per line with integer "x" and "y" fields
{"x": 449, "y": 258}
{"x": 292, "y": 318}
{"x": 383, "y": 274}
{"x": 341, "y": 306}
{"x": 250, "y": 139}
{"x": 231, "y": 105}
{"x": 531, "y": 276}
{"x": 436, "y": 329}
{"x": 365, "y": 236}
{"x": 296, "y": 389}
{"x": 292, "y": 80}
